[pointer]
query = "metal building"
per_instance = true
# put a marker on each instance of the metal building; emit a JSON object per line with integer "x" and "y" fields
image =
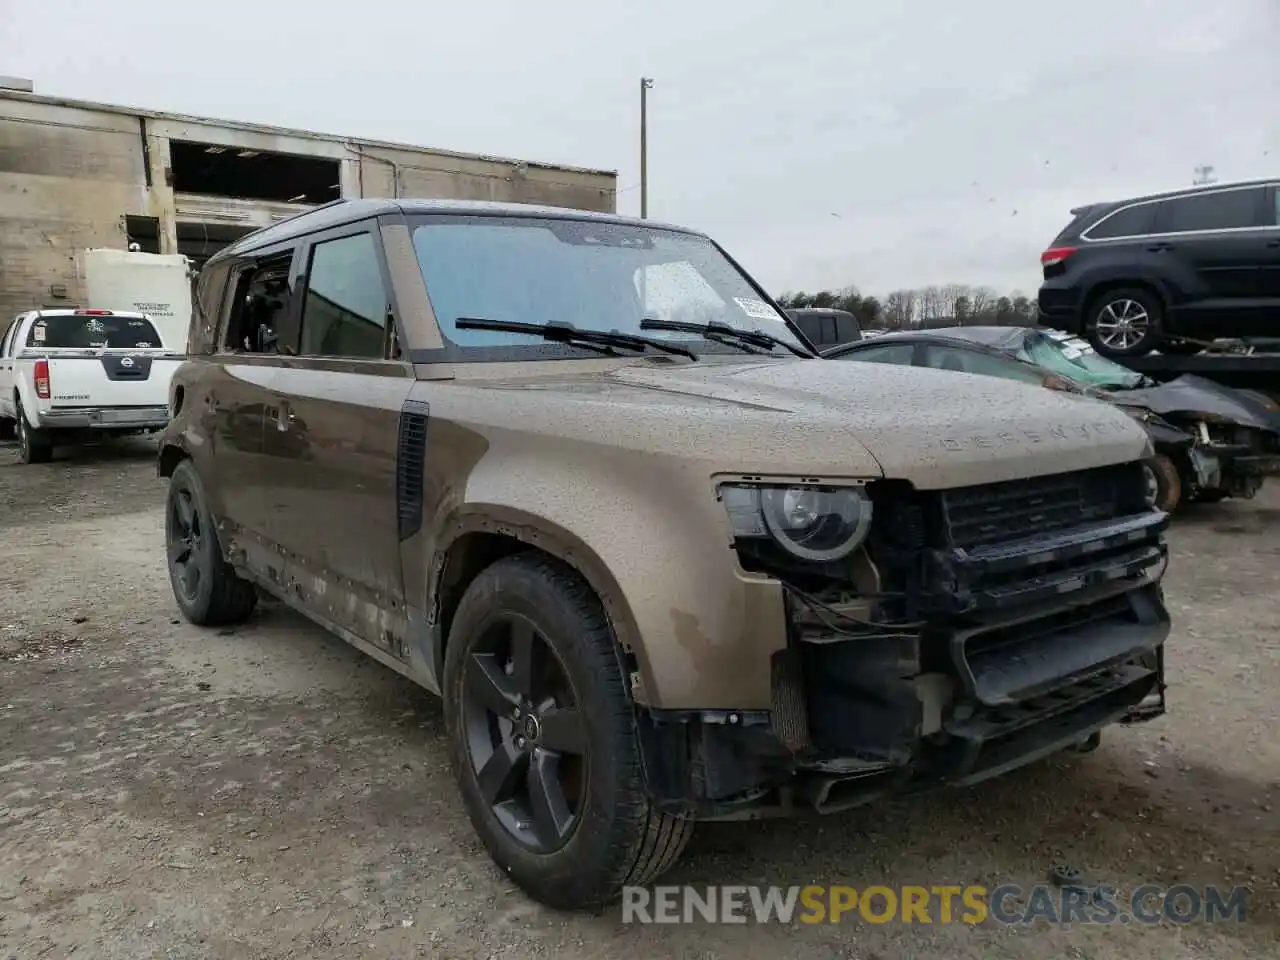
{"x": 76, "y": 175}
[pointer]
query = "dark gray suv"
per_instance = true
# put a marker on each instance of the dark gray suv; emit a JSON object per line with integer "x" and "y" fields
{"x": 1168, "y": 271}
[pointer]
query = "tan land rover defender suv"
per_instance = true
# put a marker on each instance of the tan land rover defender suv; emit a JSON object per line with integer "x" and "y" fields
{"x": 578, "y": 475}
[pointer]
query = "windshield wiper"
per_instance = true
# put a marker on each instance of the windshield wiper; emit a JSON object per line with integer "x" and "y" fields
{"x": 568, "y": 333}
{"x": 723, "y": 333}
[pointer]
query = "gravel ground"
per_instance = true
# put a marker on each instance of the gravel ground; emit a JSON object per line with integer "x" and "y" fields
{"x": 266, "y": 792}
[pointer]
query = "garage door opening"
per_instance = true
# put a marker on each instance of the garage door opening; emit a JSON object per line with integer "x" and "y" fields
{"x": 243, "y": 173}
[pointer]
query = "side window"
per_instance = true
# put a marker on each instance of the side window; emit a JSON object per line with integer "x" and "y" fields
{"x": 968, "y": 361}
{"x": 677, "y": 291}
{"x": 6, "y": 345}
{"x": 811, "y": 327}
{"x": 207, "y": 303}
{"x": 846, "y": 329}
{"x": 1127, "y": 222}
{"x": 888, "y": 353}
{"x": 345, "y": 307}
{"x": 259, "y": 316}
{"x": 1211, "y": 211}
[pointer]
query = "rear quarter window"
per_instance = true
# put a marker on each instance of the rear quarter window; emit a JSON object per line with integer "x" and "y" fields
{"x": 1126, "y": 222}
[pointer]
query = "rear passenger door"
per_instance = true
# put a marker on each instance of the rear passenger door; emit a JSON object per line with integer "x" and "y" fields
{"x": 331, "y": 435}
{"x": 1271, "y": 263}
{"x": 1218, "y": 237}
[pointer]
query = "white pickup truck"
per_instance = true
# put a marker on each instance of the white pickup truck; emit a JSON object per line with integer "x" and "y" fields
{"x": 71, "y": 376}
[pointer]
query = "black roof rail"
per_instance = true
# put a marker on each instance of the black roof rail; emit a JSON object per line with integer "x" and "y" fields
{"x": 308, "y": 212}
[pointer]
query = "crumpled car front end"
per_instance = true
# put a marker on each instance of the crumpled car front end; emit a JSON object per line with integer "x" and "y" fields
{"x": 980, "y": 629}
{"x": 1235, "y": 433}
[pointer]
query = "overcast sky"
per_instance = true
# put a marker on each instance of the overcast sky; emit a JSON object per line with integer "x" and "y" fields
{"x": 881, "y": 143}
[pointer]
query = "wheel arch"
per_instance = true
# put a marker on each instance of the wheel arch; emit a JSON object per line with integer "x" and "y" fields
{"x": 171, "y": 454}
{"x": 1103, "y": 287}
{"x": 479, "y": 538}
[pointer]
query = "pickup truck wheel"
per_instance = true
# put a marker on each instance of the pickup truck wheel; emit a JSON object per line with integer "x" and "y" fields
{"x": 34, "y": 445}
{"x": 543, "y": 740}
{"x": 207, "y": 589}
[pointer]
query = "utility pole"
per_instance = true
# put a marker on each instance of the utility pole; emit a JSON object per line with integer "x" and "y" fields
{"x": 645, "y": 84}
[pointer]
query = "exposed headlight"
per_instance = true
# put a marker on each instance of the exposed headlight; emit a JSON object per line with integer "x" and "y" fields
{"x": 820, "y": 524}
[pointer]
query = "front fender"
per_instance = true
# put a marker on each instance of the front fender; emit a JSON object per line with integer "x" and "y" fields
{"x": 655, "y": 546}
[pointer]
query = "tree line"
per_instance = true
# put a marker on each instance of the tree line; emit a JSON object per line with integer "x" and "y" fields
{"x": 952, "y": 304}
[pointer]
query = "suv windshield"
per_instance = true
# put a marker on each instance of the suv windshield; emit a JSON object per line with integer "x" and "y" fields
{"x": 592, "y": 275}
{"x": 89, "y": 331}
{"x": 1075, "y": 359}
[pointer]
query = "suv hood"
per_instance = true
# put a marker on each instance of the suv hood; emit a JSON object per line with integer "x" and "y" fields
{"x": 823, "y": 418}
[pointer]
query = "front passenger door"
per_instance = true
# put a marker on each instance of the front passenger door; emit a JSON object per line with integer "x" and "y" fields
{"x": 330, "y": 435}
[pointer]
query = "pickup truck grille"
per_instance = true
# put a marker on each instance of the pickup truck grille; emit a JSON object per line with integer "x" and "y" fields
{"x": 997, "y": 512}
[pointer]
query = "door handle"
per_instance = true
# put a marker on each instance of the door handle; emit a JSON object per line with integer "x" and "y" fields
{"x": 283, "y": 416}
{"x": 1273, "y": 243}
{"x": 1160, "y": 247}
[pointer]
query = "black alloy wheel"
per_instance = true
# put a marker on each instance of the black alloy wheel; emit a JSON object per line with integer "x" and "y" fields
{"x": 543, "y": 737}
{"x": 526, "y": 737}
{"x": 186, "y": 545}
{"x": 208, "y": 590}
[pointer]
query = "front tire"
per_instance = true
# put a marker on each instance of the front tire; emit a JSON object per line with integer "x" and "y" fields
{"x": 1127, "y": 322}
{"x": 543, "y": 740}
{"x": 1164, "y": 483}
{"x": 208, "y": 591}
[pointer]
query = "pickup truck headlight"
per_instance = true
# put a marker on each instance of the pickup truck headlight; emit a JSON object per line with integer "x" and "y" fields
{"x": 819, "y": 524}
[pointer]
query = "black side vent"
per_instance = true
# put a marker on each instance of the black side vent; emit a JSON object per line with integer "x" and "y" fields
{"x": 411, "y": 448}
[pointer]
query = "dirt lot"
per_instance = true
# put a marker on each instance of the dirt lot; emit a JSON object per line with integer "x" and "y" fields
{"x": 268, "y": 793}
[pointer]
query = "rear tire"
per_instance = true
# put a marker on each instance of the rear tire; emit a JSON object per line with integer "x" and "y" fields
{"x": 34, "y": 446}
{"x": 1128, "y": 322}
{"x": 611, "y": 836}
{"x": 206, "y": 587}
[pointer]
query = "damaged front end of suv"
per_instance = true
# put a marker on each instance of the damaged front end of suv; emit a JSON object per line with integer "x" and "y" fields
{"x": 934, "y": 637}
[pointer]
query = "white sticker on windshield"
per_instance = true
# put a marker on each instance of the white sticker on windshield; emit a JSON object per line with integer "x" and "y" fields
{"x": 757, "y": 308}
{"x": 37, "y": 333}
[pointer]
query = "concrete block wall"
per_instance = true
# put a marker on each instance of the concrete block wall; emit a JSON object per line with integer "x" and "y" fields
{"x": 67, "y": 178}
{"x": 71, "y": 171}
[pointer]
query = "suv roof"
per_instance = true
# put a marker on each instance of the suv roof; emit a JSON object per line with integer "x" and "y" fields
{"x": 1179, "y": 192}
{"x": 337, "y": 212}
